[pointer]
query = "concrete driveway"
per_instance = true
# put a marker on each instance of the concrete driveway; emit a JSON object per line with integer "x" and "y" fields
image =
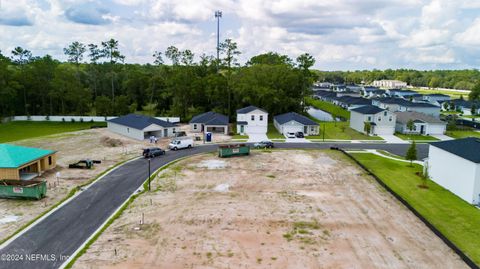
{"x": 442, "y": 137}
{"x": 257, "y": 137}
{"x": 393, "y": 139}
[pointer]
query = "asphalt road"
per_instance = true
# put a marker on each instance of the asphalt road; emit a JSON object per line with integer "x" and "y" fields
{"x": 49, "y": 243}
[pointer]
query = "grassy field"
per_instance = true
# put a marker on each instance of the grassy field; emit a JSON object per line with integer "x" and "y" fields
{"x": 18, "y": 130}
{"x": 416, "y": 137}
{"x": 273, "y": 133}
{"x": 341, "y": 130}
{"x": 462, "y": 134}
{"x": 456, "y": 219}
{"x": 329, "y": 107}
{"x": 453, "y": 94}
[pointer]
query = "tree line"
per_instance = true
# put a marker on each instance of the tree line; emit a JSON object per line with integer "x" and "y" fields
{"x": 96, "y": 81}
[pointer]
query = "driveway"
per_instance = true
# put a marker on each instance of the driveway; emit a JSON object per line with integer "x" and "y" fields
{"x": 393, "y": 139}
{"x": 442, "y": 137}
{"x": 257, "y": 137}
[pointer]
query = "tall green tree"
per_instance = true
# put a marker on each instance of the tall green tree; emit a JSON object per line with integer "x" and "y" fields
{"x": 75, "y": 52}
{"x": 229, "y": 52}
{"x": 111, "y": 52}
{"x": 412, "y": 153}
{"x": 22, "y": 57}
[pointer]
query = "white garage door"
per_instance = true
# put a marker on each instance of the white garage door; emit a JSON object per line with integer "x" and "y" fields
{"x": 292, "y": 129}
{"x": 384, "y": 130}
{"x": 256, "y": 129}
{"x": 435, "y": 129}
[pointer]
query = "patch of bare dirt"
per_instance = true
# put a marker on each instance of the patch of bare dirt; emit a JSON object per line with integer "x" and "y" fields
{"x": 279, "y": 209}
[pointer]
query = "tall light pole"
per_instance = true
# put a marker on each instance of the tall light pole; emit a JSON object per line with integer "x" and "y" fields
{"x": 218, "y": 15}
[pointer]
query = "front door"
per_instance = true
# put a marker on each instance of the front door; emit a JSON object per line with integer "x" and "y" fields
{"x": 241, "y": 129}
{"x": 165, "y": 132}
{"x": 305, "y": 129}
{"x": 422, "y": 129}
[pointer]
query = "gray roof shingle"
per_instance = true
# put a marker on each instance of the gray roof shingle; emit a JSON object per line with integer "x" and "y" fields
{"x": 210, "y": 118}
{"x": 284, "y": 118}
{"x": 368, "y": 110}
{"x": 140, "y": 121}
{"x": 467, "y": 148}
{"x": 249, "y": 109}
{"x": 404, "y": 117}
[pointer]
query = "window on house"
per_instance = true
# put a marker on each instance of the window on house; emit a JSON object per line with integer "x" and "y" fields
{"x": 253, "y": 117}
{"x": 385, "y": 113}
{"x": 194, "y": 126}
{"x": 379, "y": 119}
{"x": 369, "y": 118}
{"x": 390, "y": 119}
{"x": 261, "y": 117}
{"x": 50, "y": 160}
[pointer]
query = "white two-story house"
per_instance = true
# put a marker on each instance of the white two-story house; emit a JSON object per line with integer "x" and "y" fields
{"x": 382, "y": 121}
{"x": 252, "y": 120}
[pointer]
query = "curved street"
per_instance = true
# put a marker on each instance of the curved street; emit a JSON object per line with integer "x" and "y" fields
{"x": 49, "y": 243}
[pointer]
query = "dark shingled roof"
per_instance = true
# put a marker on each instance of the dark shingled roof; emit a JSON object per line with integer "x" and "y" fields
{"x": 467, "y": 148}
{"x": 368, "y": 110}
{"x": 284, "y": 118}
{"x": 249, "y": 109}
{"x": 210, "y": 118}
{"x": 140, "y": 121}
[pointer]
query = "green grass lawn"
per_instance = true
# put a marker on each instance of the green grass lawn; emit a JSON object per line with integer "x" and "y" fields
{"x": 273, "y": 133}
{"x": 462, "y": 134}
{"x": 341, "y": 130}
{"x": 18, "y": 130}
{"x": 453, "y": 94}
{"x": 328, "y": 107}
{"x": 237, "y": 136}
{"x": 410, "y": 137}
{"x": 455, "y": 218}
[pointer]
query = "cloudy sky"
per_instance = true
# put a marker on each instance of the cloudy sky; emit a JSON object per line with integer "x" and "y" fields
{"x": 341, "y": 34}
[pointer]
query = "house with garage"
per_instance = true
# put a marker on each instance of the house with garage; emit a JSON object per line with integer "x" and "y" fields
{"x": 382, "y": 121}
{"x": 423, "y": 124}
{"x": 293, "y": 122}
{"x": 25, "y": 163}
{"x": 252, "y": 120}
{"x": 464, "y": 106}
{"x": 421, "y": 107}
{"x": 141, "y": 127}
{"x": 405, "y": 94}
{"x": 455, "y": 165}
{"x": 209, "y": 122}
{"x": 436, "y": 98}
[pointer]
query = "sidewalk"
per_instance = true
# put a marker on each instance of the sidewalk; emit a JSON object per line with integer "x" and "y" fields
{"x": 393, "y": 139}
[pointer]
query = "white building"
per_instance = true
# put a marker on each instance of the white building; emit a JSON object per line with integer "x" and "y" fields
{"x": 455, "y": 165}
{"x": 384, "y": 83}
{"x": 209, "y": 122}
{"x": 382, "y": 121}
{"x": 293, "y": 122}
{"x": 140, "y": 127}
{"x": 423, "y": 124}
{"x": 252, "y": 120}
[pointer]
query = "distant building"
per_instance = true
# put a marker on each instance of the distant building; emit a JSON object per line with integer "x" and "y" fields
{"x": 405, "y": 94}
{"x": 24, "y": 163}
{"x": 455, "y": 165}
{"x": 293, "y": 122}
{"x": 382, "y": 121}
{"x": 401, "y": 105}
{"x": 436, "y": 98}
{"x": 422, "y": 124}
{"x": 209, "y": 122}
{"x": 389, "y": 83}
{"x": 140, "y": 127}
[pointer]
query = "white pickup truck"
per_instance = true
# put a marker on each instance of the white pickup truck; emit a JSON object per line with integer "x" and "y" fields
{"x": 181, "y": 143}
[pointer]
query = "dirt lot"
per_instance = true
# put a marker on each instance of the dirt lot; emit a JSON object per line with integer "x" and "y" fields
{"x": 97, "y": 144}
{"x": 280, "y": 209}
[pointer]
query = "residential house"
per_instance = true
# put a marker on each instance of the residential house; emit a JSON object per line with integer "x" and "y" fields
{"x": 455, "y": 165}
{"x": 401, "y": 105}
{"x": 422, "y": 123}
{"x": 252, "y": 120}
{"x": 464, "y": 106}
{"x": 384, "y": 83}
{"x": 140, "y": 127}
{"x": 381, "y": 120}
{"x": 209, "y": 122}
{"x": 25, "y": 163}
{"x": 436, "y": 98}
{"x": 324, "y": 95}
{"x": 405, "y": 94}
{"x": 293, "y": 122}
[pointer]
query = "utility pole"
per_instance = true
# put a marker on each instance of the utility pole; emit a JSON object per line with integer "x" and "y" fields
{"x": 218, "y": 15}
{"x": 149, "y": 173}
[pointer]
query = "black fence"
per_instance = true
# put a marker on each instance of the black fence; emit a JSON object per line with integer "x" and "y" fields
{"x": 449, "y": 243}
{"x": 469, "y": 123}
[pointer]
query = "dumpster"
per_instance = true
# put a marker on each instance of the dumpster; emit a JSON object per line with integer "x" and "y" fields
{"x": 35, "y": 189}
{"x": 233, "y": 150}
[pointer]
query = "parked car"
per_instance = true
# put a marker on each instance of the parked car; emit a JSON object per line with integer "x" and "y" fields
{"x": 153, "y": 152}
{"x": 299, "y": 135}
{"x": 290, "y": 135}
{"x": 263, "y": 144}
{"x": 181, "y": 143}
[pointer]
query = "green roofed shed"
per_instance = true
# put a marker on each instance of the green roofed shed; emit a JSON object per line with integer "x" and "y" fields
{"x": 18, "y": 162}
